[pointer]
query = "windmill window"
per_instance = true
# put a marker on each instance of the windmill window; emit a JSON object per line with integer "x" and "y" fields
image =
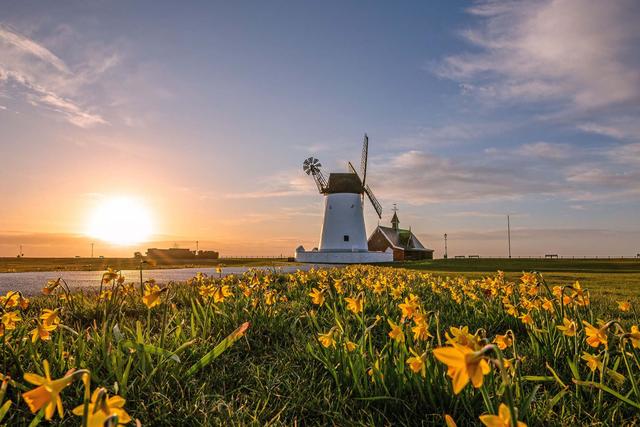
{"x": 346, "y": 237}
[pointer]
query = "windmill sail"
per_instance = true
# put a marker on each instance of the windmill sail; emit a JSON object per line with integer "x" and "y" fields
{"x": 374, "y": 201}
{"x": 311, "y": 166}
{"x": 364, "y": 159}
{"x": 366, "y": 189}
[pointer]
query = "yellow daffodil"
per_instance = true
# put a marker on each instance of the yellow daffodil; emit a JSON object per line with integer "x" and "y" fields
{"x": 9, "y": 320}
{"x": 102, "y": 407}
{"x": 151, "y": 297}
{"x": 220, "y": 293}
{"x": 568, "y": 327}
{"x": 595, "y": 336}
{"x": 416, "y": 364}
{"x": 624, "y": 305}
{"x": 503, "y": 341}
{"x": 463, "y": 365}
{"x": 462, "y": 336}
{"x": 47, "y": 394}
{"x": 634, "y": 336}
{"x": 50, "y": 286}
{"x": 50, "y": 317}
{"x": 355, "y": 305}
{"x": 105, "y": 295}
{"x": 317, "y": 296}
{"x": 421, "y": 330}
{"x": 338, "y": 285}
{"x": 511, "y": 310}
{"x": 593, "y": 362}
{"x": 378, "y": 288}
{"x": 526, "y": 319}
{"x": 327, "y": 340}
{"x": 503, "y": 419}
{"x": 42, "y": 332}
{"x": 109, "y": 275}
{"x": 410, "y": 306}
{"x": 396, "y": 332}
{"x": 350, "y": 346}
{"x": 270, "y": 297}
{"x": 375, "y": 371}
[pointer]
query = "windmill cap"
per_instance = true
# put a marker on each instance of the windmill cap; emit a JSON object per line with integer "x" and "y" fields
{"x": 344, "y": 183}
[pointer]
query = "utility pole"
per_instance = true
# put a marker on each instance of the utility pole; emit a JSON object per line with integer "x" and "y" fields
{"x": 509, "y": 235}
{"x": 197, "y": 247}
{"x": 91, "y": 249}
{"x": 445, "y": 246}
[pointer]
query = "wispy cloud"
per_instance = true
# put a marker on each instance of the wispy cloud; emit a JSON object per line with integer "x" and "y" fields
{"x": 540, "y": 169}
{"x": 46, "y": 80}
{"x": 551, "y": 50}
{"x": 284, "y": 184}
{"x": 545, "y": 150}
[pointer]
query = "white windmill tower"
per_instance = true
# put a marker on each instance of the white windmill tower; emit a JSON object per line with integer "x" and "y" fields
{"x": 343, "y": 238}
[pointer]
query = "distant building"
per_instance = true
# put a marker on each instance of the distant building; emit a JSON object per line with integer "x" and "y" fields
{"x": 404, "y": 243}
{"x": 207, "y": 255}
{"x": 179, "y": 254}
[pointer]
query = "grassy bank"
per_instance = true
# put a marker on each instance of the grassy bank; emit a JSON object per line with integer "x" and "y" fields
{"x": 17, "y": 265}
{"x": 351, "y": 346}
{"x": 609, "y": 279}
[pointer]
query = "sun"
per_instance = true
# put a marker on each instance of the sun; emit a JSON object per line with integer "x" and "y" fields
{"x": 120, "y": 221}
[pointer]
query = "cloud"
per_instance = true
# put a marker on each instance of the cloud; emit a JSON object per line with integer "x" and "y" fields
{"x": 32, "y": 48}
{"x": 419, "y": 177}
{"x": 625, "y": 127}
{"x": 626, "y": 154}
{"x": 46, "y": 80}
{"x": 584, "y": 56}
{"x": 285, "y": 184}
{"x": 545, "y": 150}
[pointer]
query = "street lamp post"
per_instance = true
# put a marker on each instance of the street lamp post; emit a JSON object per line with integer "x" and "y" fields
{"x": 509, "y": 234}
{"x": 445, "y": 246}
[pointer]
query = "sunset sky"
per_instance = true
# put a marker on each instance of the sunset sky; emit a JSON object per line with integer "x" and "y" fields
{"x": 202, "y": 112}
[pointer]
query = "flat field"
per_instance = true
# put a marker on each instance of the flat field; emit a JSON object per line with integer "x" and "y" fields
{"x": 359, "y": 345}
{"x": 18, "y": 265}
{"x": 617, "y": 278}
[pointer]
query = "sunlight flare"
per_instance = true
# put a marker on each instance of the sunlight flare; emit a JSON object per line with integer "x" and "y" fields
{"x": 121, "y": 221}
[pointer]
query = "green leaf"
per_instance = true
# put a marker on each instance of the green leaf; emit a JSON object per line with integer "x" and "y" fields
{"x": 218, "y": 349}
{"x": 37, "y": 419}
{"x": 526, "y": 403}
{"x": 608, "y": 390}
{"x": 150, "y": 349}
{"x": 538, "y": 378}
{"x": 4, "y": 409}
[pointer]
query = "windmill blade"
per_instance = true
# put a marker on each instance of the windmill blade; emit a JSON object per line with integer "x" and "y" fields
{"x": 311, "y": 166}
{"x": 374, "y": 201}
{"x": 364, "y": 159}
{"x": 321, "y": 181}
{"x": 354, "y": 171}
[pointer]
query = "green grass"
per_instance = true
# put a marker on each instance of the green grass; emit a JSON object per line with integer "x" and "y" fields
{"x": 17, "y": 265}
{"x": 279, "y": 375}
{"x": 608, "y": 279}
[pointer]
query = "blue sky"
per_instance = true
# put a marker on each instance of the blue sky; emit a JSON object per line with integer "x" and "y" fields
{"x": 206, "y": 110}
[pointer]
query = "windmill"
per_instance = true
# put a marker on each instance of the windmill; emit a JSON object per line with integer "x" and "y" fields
{"x": 343, "y": 227}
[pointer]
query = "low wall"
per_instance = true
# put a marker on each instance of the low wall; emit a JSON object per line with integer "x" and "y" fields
{"x": 317, "y": 257}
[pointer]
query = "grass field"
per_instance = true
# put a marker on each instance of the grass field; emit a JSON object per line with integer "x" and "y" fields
{"x": 17, "y": 265}
{"x": 605, "y": 278}
{"x": 350, "y": 346}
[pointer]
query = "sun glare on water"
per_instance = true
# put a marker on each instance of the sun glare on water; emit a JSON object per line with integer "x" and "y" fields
{"x": 120, "y": 221}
